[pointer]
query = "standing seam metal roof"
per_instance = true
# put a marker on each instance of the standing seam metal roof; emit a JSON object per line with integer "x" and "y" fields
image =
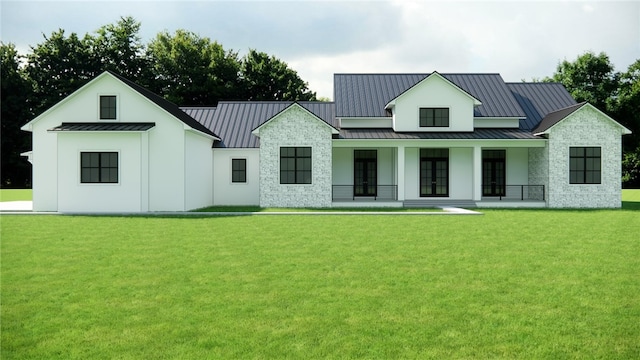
{"x": 234, "y": 120}
{"x": 539, "y": 99}
{"x": 365, "y": 95}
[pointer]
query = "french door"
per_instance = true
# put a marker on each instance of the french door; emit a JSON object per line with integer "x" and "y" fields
{"x": 493, "y": 172}
{"x": 365, "y": 173}
{"x": 434, "y": 172}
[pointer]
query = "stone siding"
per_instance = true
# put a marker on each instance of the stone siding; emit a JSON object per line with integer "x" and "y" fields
{"x": 539, "y": 172}
{"x": 585, "y": 127}
{"x": 295, "y": 127}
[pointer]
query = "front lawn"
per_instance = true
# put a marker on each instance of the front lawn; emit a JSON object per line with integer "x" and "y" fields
{"x": 510, "y": 284}
{"x": 15, "y": 194}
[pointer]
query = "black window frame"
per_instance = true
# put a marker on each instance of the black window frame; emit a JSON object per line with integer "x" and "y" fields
{"x": 238, "y": 170}
{"x": 108, "y": 107}
{"x": 434, "y": 117}
{"x": 97, "y": 167}
{"x": 585, "y": 165}
{"x": 295, "y": 165}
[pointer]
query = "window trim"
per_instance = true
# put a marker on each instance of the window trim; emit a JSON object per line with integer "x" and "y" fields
{"x": 295, "y": 170}
{"x": 118, "y": 166}
{"x": 434, "y": 108}
{"x": 585, "y": 170}
{"x": 117, "y": 108}
{"x": 233, "y": 159}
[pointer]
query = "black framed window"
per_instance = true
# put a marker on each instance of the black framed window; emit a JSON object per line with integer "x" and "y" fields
{"x": 584, "y": 165}
{"x": 99, "y": 167}
{"x": 434, "y": 117}
{"x": 107, "y": 107}
{"x": 295, "y": 165}
{"x": 239, "y": 170}
{"x": 434, "y": 172}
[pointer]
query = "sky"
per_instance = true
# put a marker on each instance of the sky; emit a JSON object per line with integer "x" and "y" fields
{"x": 521, "y": 40}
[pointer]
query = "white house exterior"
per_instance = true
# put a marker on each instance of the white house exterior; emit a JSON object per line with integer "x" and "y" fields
{"x": 386, "y": 140}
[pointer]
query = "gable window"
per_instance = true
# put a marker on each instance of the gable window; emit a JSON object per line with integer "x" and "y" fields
{"x": 107, "y": 107}
{"x": 238, "y": 170}
{"x": 99, "y": 167}
{"x": 295, "y": 165}
{"x": 584, "y": 165}
{"x": 434, "y": 117}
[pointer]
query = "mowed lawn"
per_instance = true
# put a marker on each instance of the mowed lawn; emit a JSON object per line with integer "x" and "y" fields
{"x": 508, "y": 284}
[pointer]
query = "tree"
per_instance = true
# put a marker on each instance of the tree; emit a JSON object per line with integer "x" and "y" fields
{"x": 192, "y": 70}
{"x": 15, "y": 91}
{"x": 626, "y": 107}
{"x": 57, "y": 67}
{"x": 266, "y": 77}
{"x": 589, "y": 78}
{"x": 117, "y": 47}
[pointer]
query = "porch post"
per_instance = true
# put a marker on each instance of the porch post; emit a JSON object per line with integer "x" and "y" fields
{"x": 477, "y": 173}
{"x": 400, "y": 172}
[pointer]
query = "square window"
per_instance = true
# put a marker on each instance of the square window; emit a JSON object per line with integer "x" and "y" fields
{"x": 585, "y": 165}
{"x": 295, "y": 165}
{"x": 99, "y": 167}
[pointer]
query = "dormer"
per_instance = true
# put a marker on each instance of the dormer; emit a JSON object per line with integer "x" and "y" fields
{"x": 434, "y": 104}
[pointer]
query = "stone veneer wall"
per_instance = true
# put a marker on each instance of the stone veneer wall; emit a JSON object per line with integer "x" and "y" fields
{"x": 585, "y": 127}
{"x": 539, "y": 171}
{"x": 295, "y": 127}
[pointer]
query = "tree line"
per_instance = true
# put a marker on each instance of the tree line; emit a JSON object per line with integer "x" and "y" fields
{"x": 183, "y": 67}
{"x": 191, "y": 70}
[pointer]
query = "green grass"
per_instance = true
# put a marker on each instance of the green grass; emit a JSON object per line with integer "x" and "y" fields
{"x": 511, "y": 284}
{"x": 15, "y": 194}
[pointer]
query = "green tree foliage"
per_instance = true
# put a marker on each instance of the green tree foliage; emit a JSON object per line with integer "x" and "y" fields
{"x": 589, "y": 78}
{"x": 626, "y": 106}
{"x": 193, "y": 70}
{"x": 631, "y": 169}
{"x": 15, "y": 91}
{"x": 266, "y": 77}
{"x": 118, "y": 47}
{"x": 57, "y": 67}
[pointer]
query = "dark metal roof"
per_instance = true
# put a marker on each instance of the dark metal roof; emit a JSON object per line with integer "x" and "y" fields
{"x": 115, "y": 126}
{"x": 365, "y": 95}
{"x": 478, "y": 134}
{"x": 166, "y": 105}
{"x": 234, "y": 120}
{"x": 554, "y": 117}
{"x": 539, "y": 99}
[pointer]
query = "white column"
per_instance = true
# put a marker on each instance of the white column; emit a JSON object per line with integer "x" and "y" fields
{"x": 477, "y": 173}
{"x": 400, "y": 172}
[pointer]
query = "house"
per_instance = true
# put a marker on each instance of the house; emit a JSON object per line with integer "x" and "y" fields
{"x": 387, "y": 140}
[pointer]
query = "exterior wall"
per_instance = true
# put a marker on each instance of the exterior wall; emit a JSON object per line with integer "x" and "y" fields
{"x": 125, "y": 196}
{"x": 433, "y": 92}
{"x": 228, "y": 193}
{"x": 539, "y": 169}
{"x": 585, "y": 127}
{"x": 517, "y": 163}
{"x": 161, "y": 168}
{"x": 295, "y": 127}
{"x": 198, "y": 171}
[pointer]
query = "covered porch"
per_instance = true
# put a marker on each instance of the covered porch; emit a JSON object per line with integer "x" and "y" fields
{"x": 435, "y": 173}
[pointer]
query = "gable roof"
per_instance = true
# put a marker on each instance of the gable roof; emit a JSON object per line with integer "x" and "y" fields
{"x": 539, "y": 99}
{"x": 476, "y": 102}
{"x": 365, "y": 95}
{"x": 234, "y": 120}
{"x": 555, "y": 117}
{"x": 166, "y": 105}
